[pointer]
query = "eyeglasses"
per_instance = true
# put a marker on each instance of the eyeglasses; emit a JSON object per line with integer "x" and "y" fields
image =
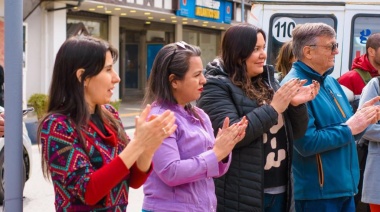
{"x": 181, "y": 44}
{"x": 332, "y": 47}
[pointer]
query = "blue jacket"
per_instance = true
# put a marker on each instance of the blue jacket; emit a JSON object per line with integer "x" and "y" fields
{"x": 325, "y": 161}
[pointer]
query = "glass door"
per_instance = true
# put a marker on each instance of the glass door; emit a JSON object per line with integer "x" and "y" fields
{"x": 131, "y": 66}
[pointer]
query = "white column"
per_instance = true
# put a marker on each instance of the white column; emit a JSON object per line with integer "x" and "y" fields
{"x": 178, "y": 32}
{"x": 54, "y": 35}
{"x": 114, "y": 40}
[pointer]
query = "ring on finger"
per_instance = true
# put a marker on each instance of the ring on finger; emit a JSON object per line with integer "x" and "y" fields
{"x": 164, "y": 130}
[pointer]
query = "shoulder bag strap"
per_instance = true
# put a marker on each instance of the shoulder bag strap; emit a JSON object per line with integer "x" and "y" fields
{"x": 365, "y": 75}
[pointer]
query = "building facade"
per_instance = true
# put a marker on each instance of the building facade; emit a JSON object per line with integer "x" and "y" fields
{"x": 137, "y": 28}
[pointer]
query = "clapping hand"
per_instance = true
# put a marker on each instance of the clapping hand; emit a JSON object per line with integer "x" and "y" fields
{"x": 153, "y": 130}
{"x": 370, "y": 102}
{"x": 367, "y": 114}
{"x": 228, "y": 137}
{"x": 306, "y": 93}
{"x": 285, "y": 94}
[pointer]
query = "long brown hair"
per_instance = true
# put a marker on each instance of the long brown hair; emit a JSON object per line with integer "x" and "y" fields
{"x": 238, "y": 43}
{"x": 66, "y": 95}
{"x": 171, "y": 59}
{"x": 284, "y": 59}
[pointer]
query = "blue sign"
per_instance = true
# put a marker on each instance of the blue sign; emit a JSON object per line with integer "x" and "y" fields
{"x": 364, "y": 34}
{"x": 209, "y": 10}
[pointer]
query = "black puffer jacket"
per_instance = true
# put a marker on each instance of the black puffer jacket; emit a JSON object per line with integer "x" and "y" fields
{"x": 241, "y": 188}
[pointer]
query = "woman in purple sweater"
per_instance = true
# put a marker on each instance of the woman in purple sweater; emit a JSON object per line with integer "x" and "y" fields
{"x": 188, "y": 160}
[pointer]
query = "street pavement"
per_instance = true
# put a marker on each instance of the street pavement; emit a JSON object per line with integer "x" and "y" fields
{"x": 128, "y": 111}
{"x": 39, "y": 193}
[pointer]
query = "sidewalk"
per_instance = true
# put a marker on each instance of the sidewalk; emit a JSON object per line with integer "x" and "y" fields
{"x": 127, "y": 108}
{"x": 130, "y": 107}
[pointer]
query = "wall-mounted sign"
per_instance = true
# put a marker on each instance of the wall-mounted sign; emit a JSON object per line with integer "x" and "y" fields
{"x": 210, "y": 10}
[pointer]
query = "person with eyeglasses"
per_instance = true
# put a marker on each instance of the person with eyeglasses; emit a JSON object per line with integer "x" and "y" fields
{"x": 188, "y": 160}
{"x": 239, "y": 85}
{"x": 325, "y": 162}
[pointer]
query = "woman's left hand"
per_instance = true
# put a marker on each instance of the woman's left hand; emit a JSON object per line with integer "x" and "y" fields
{"x": 305, "y": 94}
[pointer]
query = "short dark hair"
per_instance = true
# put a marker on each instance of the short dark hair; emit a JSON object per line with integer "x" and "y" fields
{"x": 373, "y": 42}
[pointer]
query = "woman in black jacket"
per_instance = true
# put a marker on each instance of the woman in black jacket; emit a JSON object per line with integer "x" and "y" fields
{"x": 238, "y": 85}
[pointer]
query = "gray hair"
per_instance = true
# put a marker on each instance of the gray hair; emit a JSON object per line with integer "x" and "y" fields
{"x": 307, "y": 34}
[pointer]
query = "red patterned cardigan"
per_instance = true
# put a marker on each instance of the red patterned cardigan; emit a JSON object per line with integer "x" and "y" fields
{"x": 72, "y": 167}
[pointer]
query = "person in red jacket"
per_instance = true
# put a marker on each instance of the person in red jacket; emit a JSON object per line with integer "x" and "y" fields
{"x": 363, "y": 67}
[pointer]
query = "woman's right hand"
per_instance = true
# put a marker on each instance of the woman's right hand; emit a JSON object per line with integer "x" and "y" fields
{"x": 228, "y": 137}
{"x": 285, "y": 94}
{"x": 151, "y": 132}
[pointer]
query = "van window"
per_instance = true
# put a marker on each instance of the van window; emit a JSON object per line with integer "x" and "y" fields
{"x": 363, "y": 25}
{"x": 281, "y": 26}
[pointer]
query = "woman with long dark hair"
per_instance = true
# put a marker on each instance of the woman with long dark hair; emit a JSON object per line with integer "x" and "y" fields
{"x": 91, "y": 161}
{"x": 240, "y": 85}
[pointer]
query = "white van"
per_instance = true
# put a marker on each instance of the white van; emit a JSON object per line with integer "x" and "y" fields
{"x": 353, "y": 21}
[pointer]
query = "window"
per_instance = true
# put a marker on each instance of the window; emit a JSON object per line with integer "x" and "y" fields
{"x": 363, "y": 25}
{"x": 88, "y": 24}
{"x": 206, "y": 40}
